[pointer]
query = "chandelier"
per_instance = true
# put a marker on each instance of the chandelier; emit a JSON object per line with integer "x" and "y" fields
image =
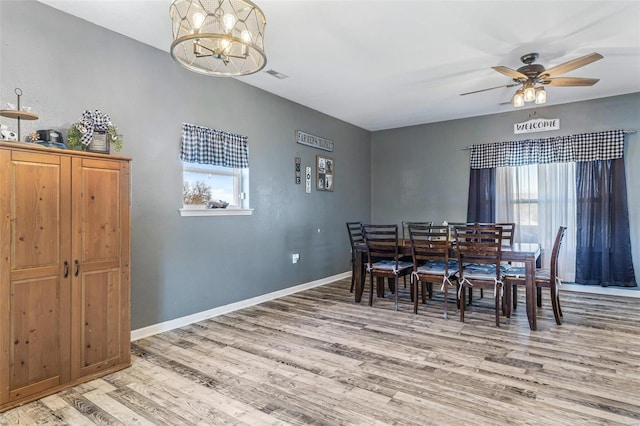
{"x": 218, "y": 37}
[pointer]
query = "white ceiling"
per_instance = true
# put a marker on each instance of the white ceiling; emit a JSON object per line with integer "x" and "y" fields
{"x": 388, "y": 64}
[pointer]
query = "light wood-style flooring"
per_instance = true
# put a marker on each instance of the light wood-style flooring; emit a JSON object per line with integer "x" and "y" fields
{"x": 318, "y": 358}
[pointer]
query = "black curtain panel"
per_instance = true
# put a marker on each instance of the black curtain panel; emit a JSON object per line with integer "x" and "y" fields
{"x": 603, "y": 249}
{"x": 482, "y": 195}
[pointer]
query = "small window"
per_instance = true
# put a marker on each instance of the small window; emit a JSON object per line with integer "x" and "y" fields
{"x": 204, "y": 183}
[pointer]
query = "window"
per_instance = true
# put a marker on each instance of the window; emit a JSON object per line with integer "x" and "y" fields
{"x": 203, "y": 183}
{"x": 215, "y": 172}
{"x": 521, "y": 200}
{"x": 539, "y": 198}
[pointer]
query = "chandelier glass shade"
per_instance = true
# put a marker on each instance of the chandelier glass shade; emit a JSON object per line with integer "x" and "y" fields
{"x": 218, "y": 37}
{"x": 529, "y": 93}
{"x": 541, "y": 95}
{"x": 518, "y": 98}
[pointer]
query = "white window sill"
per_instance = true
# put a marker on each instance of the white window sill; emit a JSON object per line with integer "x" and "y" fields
{"x": 216, "y": 212}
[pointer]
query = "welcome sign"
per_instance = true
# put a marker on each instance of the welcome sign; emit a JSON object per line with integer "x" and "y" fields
{"x": 537, "y": 125}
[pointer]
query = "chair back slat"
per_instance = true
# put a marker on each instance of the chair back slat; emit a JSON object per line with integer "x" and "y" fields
{"x": 382, "y": 241}
{"x": 508, "y": 230}
{"x": 355, "y": 232}
{"x": 429, "y": 243}
{"x": 479, "y": 244}
{"x": 407, "y": 224}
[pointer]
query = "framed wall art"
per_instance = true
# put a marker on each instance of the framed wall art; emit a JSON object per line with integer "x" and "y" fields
{"x": 99, "y": 143}
{"x": 325, "y": 171}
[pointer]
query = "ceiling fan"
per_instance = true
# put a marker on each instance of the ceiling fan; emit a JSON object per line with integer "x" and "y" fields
{"x": 533, "y": 77}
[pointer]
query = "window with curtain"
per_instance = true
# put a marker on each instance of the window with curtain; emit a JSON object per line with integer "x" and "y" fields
{"x": 215, "y": 170}
{"x": 540, "y": 198}
{"x": 576, "y": 181}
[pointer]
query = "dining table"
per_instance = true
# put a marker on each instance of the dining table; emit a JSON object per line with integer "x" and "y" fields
{"x": 527, "y": 253}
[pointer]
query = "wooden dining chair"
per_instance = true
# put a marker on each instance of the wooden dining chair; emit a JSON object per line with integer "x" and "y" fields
{"x": 479, "y": 249}
{"x": 515, "y": 276}
{"x": 406, "y": 237}
{"x": 355, "y": 237}
{"x": 430, "y": 247}
{"x": 384, "y": 262}
{"x": 508, "y": 234}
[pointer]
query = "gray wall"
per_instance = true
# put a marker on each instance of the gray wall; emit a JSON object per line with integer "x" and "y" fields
{"x": 184, "y": 265}
{"x": 422, "y": 172}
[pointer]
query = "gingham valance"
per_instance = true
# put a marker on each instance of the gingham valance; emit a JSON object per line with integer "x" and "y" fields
{"x": 606, "y": 145}
{"x": 209, "y": 146}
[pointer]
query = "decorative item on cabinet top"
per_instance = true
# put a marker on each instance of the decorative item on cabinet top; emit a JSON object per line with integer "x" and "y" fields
{"x": 94, "y": 132}
{"x": 18, "y": 112}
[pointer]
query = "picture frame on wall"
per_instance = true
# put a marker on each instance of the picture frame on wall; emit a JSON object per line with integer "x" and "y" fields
{"x": 325, "y": 170}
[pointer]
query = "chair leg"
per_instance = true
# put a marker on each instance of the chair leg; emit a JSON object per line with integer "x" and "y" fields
{"x": 462, "y": 297}
{"x": 539, "y": 296}
{"x": 353, "y": 277}
{"x": 392, "y": 284}
{"x": 515, "y": 296}
{"x": 414, "y": 294}
{"x": 481, "y": 293}
{"x": 371, "y": 292}
{"x": 558, "y": 299}
{"x": 424, "y": 292}
{"x": 506, "y": 299}
{"x": 430, "y": 291}
{"x": 446, "y": 293}
{"x": 470, "y": 295}
{"x": 555, "y": 304}
{"x": 498, "y": 300}
{"x": 380, "y": 284}
{"x": 395, "y": 298}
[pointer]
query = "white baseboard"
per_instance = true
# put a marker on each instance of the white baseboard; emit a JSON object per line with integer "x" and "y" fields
{"x": 141, "y": 333}
{"x": 595, "y": 289}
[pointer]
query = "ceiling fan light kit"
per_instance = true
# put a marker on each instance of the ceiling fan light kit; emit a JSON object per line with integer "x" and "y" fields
{"x": 518, "y": 98}
{"x": 541, "y": 96}
{"x": 529, "y": 92}
{"x": 533, "y": 77}
{"x": 218, "y": 37}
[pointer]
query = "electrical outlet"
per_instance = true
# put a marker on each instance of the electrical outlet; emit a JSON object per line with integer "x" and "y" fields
{"x": 295, "y": 257}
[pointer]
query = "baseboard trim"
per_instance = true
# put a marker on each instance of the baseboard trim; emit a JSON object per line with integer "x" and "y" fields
{"x": 141, "y": 333}
{"x": 608, "y": 291}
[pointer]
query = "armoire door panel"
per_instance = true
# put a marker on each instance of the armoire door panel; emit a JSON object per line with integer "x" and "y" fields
{"x": 98, "y": 299}
{"x": 35, "y": 325}
{"x": 36, "y": 215}
{"x": 34, "y": 295}
{"x": 100, "y": 207}
{"x": 98, "y": 314}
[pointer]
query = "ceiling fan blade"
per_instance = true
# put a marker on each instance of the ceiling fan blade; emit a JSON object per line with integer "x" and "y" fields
{"x": 516, "y": 75}
{"x": 490, "y": 88}
{"x": 571, "y": 65}
{"x": 570, "y": 81}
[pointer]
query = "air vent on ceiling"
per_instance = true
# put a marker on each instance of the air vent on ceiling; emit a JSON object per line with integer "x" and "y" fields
{"x": 277, "y": 74}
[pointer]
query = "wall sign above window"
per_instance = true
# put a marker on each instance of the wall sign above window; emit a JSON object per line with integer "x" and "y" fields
{"x": 314, "y": 141}
{"x": 536, "y": 125}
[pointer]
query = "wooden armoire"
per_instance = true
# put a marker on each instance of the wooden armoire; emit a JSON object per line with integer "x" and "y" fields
{"x": 64, "y": 269}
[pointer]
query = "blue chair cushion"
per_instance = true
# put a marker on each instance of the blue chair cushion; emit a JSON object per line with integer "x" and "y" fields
{"x": 389, "y": 265}
{"x": 437, "y": 267}
{"x": 479, "y": 271}
{"x": 519, "y": 272}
